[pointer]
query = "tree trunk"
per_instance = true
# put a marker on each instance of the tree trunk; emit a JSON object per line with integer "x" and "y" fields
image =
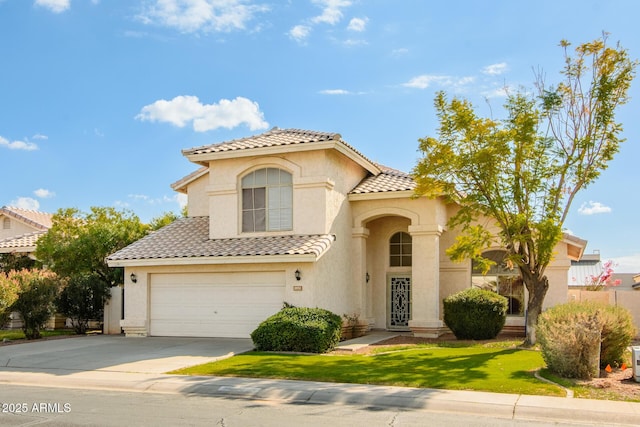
{"x": 537, "y": 287}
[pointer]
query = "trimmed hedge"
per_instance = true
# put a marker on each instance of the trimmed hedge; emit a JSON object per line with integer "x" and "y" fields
{"x": 475, "y": 314}
{"x": 300, "y": 329}
{"x": 579, "y": 338}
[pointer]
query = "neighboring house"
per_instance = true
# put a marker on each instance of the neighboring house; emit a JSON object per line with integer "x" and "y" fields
{"x": 20, "y": 229}
{"x": 302, "y": 217}
{"x": 584, "y": 269}
{"x": 590, "y": 265}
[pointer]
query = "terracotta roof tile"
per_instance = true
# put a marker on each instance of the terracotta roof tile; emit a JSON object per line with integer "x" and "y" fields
{"x": 27, "y": 240}
{"x": 273, "y": 138}
{"x": 40, "y": 220}
{"x": 388, "y": 180}
{"x": 189, "y": 238}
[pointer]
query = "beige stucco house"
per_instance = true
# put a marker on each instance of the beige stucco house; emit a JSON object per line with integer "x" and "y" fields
{"x": 20, "y": 229}
{"x": 302, "y": 217}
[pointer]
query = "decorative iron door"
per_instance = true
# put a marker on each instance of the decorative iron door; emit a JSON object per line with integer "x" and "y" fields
{"x": 399, "y": 302}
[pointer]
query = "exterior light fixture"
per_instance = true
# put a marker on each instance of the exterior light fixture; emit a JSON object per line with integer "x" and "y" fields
{"x": 133, "y": 278}
{"x": 367, "y": 277}
{"x": 298, "y": 275}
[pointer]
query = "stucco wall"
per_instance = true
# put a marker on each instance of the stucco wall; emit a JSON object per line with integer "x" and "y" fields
{"x": 197, "y": 200}
{"x": 17, "y": 228}
{"x": 320, "y": 184}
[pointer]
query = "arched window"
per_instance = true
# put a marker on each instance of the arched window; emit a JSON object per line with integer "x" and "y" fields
{"x": 503, "y": 280}
{"x": 400, "y": 250}
{"x": 267, "y": 196}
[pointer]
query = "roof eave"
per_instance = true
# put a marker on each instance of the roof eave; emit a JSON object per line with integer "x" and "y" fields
{"x": 381, "y": 195}
{"x": 575, "y": 246}
{"x": 215, "y": 260}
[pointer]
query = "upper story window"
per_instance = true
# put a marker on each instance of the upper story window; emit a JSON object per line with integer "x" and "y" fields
{"x": 502, "y": 280}
{"x": 267, "y": 196}
{"x": 6, "y": 224}
{"x": 400, "y": 250}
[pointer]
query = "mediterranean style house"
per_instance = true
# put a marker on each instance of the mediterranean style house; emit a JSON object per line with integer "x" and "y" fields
{"x": 302, "y": 217}
{"x": 20, "y": 229}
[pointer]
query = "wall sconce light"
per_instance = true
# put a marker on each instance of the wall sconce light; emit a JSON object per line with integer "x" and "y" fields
{"x": 298, "y": 275}
{"x": 367, "y": 277}
{"x": 133, "y": 278}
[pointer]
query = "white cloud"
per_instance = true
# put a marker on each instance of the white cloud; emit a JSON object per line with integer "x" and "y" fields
{"x": 25, "y": 203}
{"x": 40, "y": 136}
{"x": 331, "y": 11}
{"x": 495, "y": 69}
{"x": 335, "y": 92}
{"x": 18, "y": 145}
{"x": 300, "y": 33}
{"x": 424, "y": 81}
{"x": 204, "y": 117}
{"x": 358, "y": 24}
{"x": 189, "y": 16}
{"x": 43, "y": 193}
{"x": 627, "y": 264}
{"x": 593, "y": 208}
{"x": 331, "y": 15}
{"x": 400, "y": 51}
{"x": 352, "y": 42}
{"x": 55, "y": 6}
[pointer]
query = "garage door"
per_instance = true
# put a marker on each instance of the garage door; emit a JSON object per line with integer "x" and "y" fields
{"x": 213, "y": 304}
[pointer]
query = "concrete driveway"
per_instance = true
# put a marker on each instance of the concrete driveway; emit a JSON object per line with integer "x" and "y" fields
{"x": 112, "y": 353}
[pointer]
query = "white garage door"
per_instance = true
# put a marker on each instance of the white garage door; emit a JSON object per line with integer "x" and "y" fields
{"x": 213, "y": 304}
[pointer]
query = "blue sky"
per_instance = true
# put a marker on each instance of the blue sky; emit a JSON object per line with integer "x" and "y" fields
{"x": 98, "y": 97}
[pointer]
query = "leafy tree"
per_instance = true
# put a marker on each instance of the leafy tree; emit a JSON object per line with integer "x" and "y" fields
{"x": 9, "y": 288}
{"x": 76, "y": 246}
{"x": 160, "y": 221}
{"x": 78, "y": 243}
{"x": 16, "y": 261}
{"x": 514, "y": 180}
{"x": 83, "y": 299}
{"x": 37, "y": 293}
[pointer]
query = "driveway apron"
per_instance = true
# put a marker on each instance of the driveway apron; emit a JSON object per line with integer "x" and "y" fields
{"x": 118, "y": 353}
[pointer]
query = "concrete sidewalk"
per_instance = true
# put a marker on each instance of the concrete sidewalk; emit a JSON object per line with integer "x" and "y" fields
{"x": 508, "y": 406}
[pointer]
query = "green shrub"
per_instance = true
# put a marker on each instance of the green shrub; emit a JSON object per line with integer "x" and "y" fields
{"x": 570, "y": 341}
{"x": 618, "y": 329}
{"x": 475, "y": 314}
{"x": 83, "y": 299}
{"x": 577, "y": 339}
{"x": 38, "y": 290}
{"x": 309, "y": 330}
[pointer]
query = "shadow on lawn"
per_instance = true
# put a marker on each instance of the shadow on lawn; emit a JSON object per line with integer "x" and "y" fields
{"x": 414, "y": 368}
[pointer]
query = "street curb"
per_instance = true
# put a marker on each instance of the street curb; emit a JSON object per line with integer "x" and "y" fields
{"x": 506, "y": 406}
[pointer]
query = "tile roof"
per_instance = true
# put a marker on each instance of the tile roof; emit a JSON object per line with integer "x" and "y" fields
{"x": 189, "y": 238}
{"x": 39, "y": 220}
{"x": 13, "y": 244}
{"x": 181, "y": 184}
{"x": 273, "y": 138}
{"x": 388, "y": 180}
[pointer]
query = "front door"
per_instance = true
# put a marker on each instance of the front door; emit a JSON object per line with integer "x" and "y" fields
{"x": 399, "y": 302}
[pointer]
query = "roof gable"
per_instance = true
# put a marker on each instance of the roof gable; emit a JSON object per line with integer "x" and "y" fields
{"x": 388, "y": 180}
{"x": 35, "y": 219}
{"x": 277, "y": 141}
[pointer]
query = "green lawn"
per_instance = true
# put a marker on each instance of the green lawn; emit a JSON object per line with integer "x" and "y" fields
{"x": 17, "y": 334}
{"x": 495, "y": 367}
